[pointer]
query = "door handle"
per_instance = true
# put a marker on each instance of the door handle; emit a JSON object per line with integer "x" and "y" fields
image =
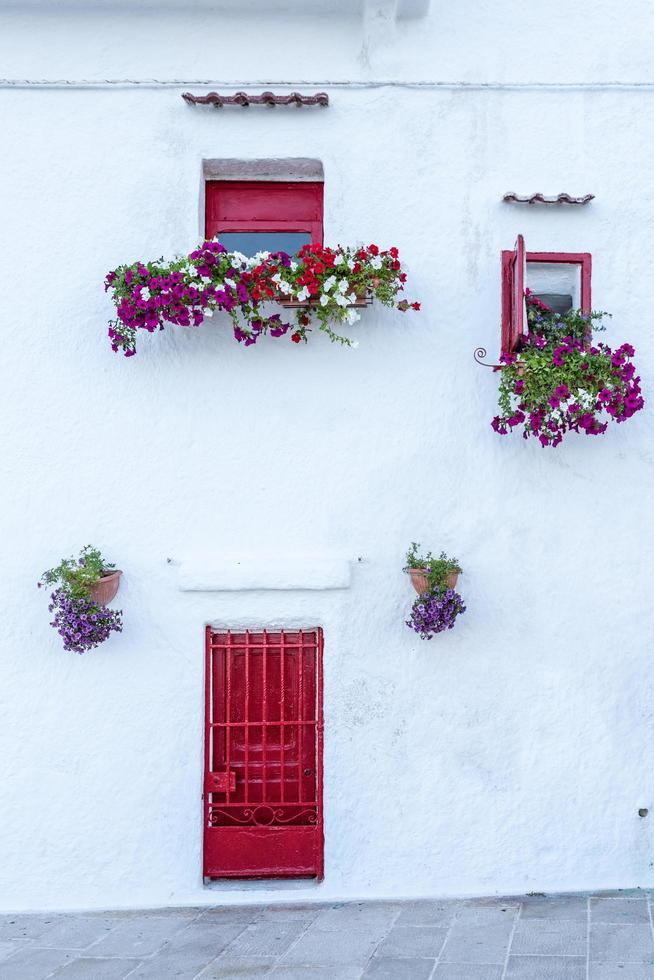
{"x": 221, "y": 782}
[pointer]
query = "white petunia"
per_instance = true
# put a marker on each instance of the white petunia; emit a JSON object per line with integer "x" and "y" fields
{"x": 208, "y": 312}
{"x": 329, "y": 283}
{"x": 293, "y": 266}
{"x": 350, "y": 263}
{"x": 324, "y": 300}
{"x": 207, "y": 280}
{"x": 343, "y": 286}
{"x": 352, "y": 316}
{"x": 145, "y": 293}
{"x": 230, "y": 283}
{"x": 285, "y": 287}
{"x": 352, "y": 298}
{"x": 376, "y": 262}
{"x": 339, "y": 260}
{"x": 341, "y": 300}
{"x": 239, "y": 259}
{"x": 193, "y": 272}
{"x": 303, "y": 294}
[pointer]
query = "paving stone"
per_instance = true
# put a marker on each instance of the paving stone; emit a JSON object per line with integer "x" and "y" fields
{"x": 477, "y": 943}
{"x": 350, "y": 947}
{"x": 550, "y": 937}
{"x": 467, "y": 971}
{"x": 75, "y": 931}
{"x": 190, "y": 951}
{"x": 87, "y": 968}
{"x": 245, "y": 914}
{"x": 267, "y": 937}
{"x": 25, "y": 926}
{"x": 563, "y": 907}
{"x": 619, "y": 910}
{"x": 356, "y": 915}
{"x": 621, "y": 943}
{"x": 427, "y": 913}
{"x": 10, "y": 946}
{"x": 244, "y": 967}
{"x": 305, "y": 913}
{"x": 314, "y": 973}
{"x": 483, "y": 916}
{"x": 137, "y": 937}
{"x": 399, "y": 969}
{"x": 413, "y": 941}
{"x": 546, "y": 968}
{"x": 35, "y": 964}
{"x": 620, "y": 971}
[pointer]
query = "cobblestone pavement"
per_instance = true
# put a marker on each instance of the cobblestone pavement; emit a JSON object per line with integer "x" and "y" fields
{"x": 566, "y": 937}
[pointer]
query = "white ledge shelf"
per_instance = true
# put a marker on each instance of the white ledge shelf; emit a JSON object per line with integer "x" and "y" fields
{"x": 264, "y": 574}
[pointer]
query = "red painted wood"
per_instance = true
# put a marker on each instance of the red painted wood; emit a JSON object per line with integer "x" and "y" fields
{"x": 583, "y": 259}
{"x": 263, "y": 805}
{"x": 513, "y": 287}
{"x": 251, "y": 205}
{"x": 513, "y": 296}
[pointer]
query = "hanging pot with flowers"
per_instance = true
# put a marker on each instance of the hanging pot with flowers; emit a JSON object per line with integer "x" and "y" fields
{"x": 435, "y": 580}
{"x": 560, "y": 381}
{"x": 325, "y": 284}
{"x": 83, "y": 587}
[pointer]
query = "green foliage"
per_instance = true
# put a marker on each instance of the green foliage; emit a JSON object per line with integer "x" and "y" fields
{"x": 437, "y": 568}
{"x": 75, "y": 576}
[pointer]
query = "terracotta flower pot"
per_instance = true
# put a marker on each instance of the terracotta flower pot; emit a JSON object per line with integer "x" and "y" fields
{"x": 420, "y": 579}
{"x": 104, "y": 590}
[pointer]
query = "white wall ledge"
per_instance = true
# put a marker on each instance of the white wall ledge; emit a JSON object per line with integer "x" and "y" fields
{"x": 267, "y": 574}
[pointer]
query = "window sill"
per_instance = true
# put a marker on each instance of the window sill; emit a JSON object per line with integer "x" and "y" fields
{"x": 264, "y": 574}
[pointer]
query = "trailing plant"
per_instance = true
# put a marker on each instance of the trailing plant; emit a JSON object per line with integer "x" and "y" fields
{"x": 437, "y": 568}
{"x": 435, "y": 611}
{"x": 81, "y": 622}
{"x": 561, "y": 382}
{"x": 187, "y": 290}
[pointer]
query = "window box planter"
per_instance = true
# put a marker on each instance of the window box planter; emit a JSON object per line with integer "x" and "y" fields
{"x": 321, "y": 284}
{"x": 560, "y": 379}
{"x": 296, "y": 304}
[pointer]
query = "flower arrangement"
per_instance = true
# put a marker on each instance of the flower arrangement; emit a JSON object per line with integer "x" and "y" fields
{"x": 81, "y": 622}
{"x": 187, "y": 290}
{"x": 561, "y": 382}
{"x": 437, "y": 605}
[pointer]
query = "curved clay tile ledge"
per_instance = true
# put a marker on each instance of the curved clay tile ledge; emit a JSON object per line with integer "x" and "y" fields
{"x": 563, "y": 198}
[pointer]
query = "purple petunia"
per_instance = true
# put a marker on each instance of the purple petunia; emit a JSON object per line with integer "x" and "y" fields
{"x": 82, "y": 623}
{"x": 435, "y": 611}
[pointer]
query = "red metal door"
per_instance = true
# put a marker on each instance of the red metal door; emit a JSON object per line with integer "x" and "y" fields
{"x": 263, "y": 755}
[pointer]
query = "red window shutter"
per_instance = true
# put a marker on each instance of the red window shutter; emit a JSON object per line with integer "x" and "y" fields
{"x": 247, "y": 205}
{"x": 513, "y": 297}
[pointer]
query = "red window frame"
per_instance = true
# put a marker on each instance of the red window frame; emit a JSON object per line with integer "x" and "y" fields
{"x": 264, "y": 205}
{"x": 514, "y": 265}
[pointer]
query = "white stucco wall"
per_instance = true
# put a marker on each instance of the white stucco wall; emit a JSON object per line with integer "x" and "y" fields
{"x": 511, "y": 755}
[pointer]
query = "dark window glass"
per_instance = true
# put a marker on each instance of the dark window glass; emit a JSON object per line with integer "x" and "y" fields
{"x": 251, "y": 242}
{"x": 558, "y": 302}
